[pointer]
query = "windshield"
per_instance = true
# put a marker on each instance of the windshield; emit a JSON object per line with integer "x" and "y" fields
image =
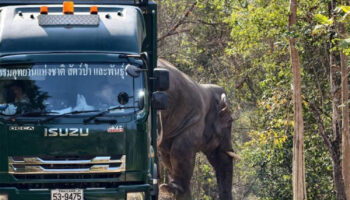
{"x": 62, "y": 88}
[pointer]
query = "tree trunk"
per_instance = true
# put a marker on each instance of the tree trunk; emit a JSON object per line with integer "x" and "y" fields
{"x": 334, "y": 151}
{"x": 346, "y": 134}
{"x": 299, "y": 186}
{"x": 337, "y": 136}
{"x": 336, "y": 93}
{"x": 345, "y": 117}
{"x": 337, "y": 172}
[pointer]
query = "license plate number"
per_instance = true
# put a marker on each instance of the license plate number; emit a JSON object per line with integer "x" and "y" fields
{"x": 67, "y": 194}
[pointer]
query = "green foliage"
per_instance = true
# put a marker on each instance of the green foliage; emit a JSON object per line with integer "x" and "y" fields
{"x": 345, "y": 9}
{"x": 326, "y": 27}
{"x": 323, "y": 19}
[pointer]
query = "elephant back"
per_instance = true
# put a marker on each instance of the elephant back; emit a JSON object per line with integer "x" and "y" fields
{"x": 186, "y": 103}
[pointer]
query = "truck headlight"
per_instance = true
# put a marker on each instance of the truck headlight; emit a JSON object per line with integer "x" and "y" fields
{"x": 4, "y": 197}
{"x": 135, "y": 196}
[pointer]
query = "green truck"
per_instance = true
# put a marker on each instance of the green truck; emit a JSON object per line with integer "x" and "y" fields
{"x": 79, "y": 93}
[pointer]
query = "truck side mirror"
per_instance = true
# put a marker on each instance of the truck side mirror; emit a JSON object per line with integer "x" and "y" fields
{"x": 161, "y": 79}
{"x": 160, "y": 100}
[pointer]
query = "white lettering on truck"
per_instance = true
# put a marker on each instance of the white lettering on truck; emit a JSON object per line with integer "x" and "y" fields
{"x": 63, "y": 132}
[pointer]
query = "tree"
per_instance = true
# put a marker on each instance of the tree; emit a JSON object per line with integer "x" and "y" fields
{"x": 299, "y": 187}
{"x": 345, "y": 114}
{"x": 338, "y": 147}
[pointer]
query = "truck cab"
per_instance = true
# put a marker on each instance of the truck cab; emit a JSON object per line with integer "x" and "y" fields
{"x": 76, "y": 84}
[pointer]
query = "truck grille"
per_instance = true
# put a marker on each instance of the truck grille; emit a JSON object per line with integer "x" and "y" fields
{"x": 59, "y": 165}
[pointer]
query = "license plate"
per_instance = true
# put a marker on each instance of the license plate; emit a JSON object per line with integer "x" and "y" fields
{"x": 67, "y": 194}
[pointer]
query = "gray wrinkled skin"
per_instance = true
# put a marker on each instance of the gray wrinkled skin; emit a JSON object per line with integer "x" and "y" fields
{"x": 197, "y": 119}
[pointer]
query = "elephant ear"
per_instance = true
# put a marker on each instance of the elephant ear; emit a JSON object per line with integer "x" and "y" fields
{"x": 224, "y": 119}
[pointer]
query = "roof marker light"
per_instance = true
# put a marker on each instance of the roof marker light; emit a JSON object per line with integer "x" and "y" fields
{"x": 68, "y": 7}
{"x": 44, "y": 10}
{"x": 93, "y": 10}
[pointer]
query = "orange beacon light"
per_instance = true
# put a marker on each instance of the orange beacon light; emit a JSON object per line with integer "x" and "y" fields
{"x": 68, "y": 7}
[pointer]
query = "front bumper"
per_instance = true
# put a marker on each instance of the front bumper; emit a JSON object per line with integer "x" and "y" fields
{"x": 89, "y": 194}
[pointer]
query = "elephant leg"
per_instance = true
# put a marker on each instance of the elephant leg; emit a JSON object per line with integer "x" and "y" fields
{"x": 223, "y": 166}
{"x": 164, "y": 154}
{"x": 182, "y": 157}
{"x": 165, "y": 160}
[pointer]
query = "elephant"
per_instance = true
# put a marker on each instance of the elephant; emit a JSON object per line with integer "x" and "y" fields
{"x": 197, "y": 119}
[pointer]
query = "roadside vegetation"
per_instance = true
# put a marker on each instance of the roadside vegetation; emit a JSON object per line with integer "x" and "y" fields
{"x": 244, "y": 46}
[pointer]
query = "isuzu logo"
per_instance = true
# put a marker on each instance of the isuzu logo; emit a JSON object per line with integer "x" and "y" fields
{"x": 64, "y": 132}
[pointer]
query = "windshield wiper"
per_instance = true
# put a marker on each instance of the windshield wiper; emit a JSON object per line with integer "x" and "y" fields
{"x": 107, "y": 111}
{"x": 65, "y": 114}
{"x": 27, "y": 114}
{"x": 34, "y": 114}
{"x": 2, "y": 114}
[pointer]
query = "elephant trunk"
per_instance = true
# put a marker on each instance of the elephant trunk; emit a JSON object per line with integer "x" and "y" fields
{"x": 223, "y": 166}
{"x": 224, "y": 177}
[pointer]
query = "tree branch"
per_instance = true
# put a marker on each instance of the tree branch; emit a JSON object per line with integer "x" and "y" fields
{"x": 321, "y": 129}
{"x": 179, "y": 23}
